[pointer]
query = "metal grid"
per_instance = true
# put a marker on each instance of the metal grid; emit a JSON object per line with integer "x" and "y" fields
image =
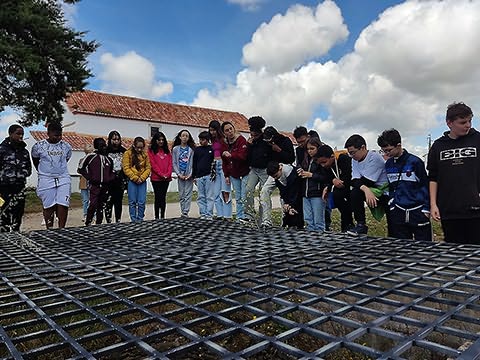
{"x": 195, "y": 289}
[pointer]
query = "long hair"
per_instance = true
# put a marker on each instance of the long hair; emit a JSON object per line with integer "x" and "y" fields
{"x": 190, "y": 142}
{"x": 154, "y": 145}
{"x": 135, "y": 158}
{"x": 110, "y": 148}
{"x": 215, "y": 124}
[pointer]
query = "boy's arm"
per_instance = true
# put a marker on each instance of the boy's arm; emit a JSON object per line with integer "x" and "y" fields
{"x": 434, "y": 210}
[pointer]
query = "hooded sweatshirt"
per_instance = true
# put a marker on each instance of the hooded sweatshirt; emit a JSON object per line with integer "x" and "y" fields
{"x": 15, "y": 165}
{"x": 454, "y": 164}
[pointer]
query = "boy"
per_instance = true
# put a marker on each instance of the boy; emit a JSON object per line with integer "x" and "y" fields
{"x": 339, "y": 172}
{"x": 97, "y": 168}
{"x": 15, "y": 167}
{"x": 288, "y": 182}
{"x": 202, "y": 175}
{"x": 454, "y": 174}
{"x": 50, "y": 157}
{"x": 408, "y": 190}
{"x": 369, "y": 183}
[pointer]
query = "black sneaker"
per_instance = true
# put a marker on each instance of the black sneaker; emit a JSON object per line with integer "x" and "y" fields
{"x": 360, "y": 229}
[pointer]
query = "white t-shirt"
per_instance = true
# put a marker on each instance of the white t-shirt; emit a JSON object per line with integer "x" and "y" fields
{"x": 372, "y": 168}
{"x": 53, "y": 162}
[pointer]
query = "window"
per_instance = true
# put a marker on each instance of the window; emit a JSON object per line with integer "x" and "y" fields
{"x": 154, "y": 129}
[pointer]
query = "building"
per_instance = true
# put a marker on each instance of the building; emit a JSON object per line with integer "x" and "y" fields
{"x": 90, "y": 114}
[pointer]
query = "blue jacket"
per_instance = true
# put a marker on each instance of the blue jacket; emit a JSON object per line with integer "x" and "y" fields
{"x": 408, "y": 182}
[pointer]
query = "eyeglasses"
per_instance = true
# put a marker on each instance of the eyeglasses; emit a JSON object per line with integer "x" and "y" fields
{"x": 353, "y": 152}
{"x": 388, "y": 150}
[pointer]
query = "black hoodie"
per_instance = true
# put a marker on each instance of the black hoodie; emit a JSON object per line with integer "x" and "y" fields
{"x": 455, "y": 165}
{"x": 15, "y": 164}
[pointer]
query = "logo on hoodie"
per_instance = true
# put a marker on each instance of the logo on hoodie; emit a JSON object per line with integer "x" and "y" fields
{"x": 460, "y": 153}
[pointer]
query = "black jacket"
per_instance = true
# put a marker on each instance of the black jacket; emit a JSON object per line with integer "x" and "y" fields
{"x": 287, "y": 155}
{"x": 259, "y": 153}
{"x": 15, "y": 164}
{"x": 202, "y": 161}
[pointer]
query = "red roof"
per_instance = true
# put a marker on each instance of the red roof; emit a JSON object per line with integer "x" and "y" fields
{"x": 77, "y": 141}
{"x": 109, "y": 105}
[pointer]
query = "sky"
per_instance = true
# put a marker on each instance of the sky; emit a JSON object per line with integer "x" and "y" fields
{"x": 340, "y": 67}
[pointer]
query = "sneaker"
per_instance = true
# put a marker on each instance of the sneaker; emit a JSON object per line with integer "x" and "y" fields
{"x": 360, "y": 229}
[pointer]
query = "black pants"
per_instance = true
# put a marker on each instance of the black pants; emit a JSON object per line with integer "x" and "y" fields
{"x": 415, "y": 225}
{"x": 114, "y": 200}
{"x": 462, "y": 231}
{"x": 341, "y": 199}
{"x": 98, "y": 198}
{"x": 160, "y": 191}
{"x": 11, "y": 212}
{"x": 357, "y": 197}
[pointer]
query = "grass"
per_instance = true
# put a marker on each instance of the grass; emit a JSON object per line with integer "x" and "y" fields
{"x": 375, "y": 228}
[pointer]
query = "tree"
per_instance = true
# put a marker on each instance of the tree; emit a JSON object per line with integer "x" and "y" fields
{"x": 41, "y": 59}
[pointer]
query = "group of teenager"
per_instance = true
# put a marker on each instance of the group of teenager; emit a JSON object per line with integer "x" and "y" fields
{"x": 312, "y": 178}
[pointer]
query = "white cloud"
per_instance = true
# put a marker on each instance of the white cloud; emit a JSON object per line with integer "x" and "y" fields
{"x": 131, "y": 74}
{"x": 406, "y": 67}
{"x": 289, "y": 40}
{"x": 9, "y": 119}
{"x": 248, "y": 5}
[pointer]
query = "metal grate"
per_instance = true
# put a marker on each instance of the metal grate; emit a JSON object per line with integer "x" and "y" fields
{"x": 194, "y": 289}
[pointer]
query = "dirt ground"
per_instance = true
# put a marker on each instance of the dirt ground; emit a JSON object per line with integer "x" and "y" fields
{"x": 33, "y": 221}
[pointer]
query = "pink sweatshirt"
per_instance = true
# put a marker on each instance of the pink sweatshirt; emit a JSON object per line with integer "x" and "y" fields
{"x": 161, "y": 165}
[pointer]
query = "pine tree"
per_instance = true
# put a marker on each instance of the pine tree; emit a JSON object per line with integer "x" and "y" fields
{"x": 41, "y": 59}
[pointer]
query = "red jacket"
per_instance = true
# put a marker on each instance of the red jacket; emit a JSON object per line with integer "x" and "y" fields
{"x": 237, "y": 165}
{"x": 161, "y": 165}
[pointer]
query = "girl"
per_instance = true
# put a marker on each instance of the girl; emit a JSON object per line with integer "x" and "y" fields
{"x": 182, "y": 156}
{"x": 221, "y": 190}
{"x": 161, "y": 162}
{"x": 116, "y": 188}
{"x": 315, "y": 189}
{"x": 15, "y": 167}
{"x": 136, "y": 167}
{"x": 235, "y": 166}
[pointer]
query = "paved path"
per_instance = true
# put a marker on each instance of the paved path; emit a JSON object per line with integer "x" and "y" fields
{"x": 33, "y": 221}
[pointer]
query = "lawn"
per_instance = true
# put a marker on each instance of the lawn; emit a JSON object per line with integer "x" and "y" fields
{"x": 376, "y": 228}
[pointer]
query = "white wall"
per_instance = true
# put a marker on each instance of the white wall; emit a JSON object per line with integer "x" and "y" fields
{"x": 101, "y": 126}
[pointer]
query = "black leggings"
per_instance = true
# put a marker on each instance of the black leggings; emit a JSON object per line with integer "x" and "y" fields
{"x": 160, "y": 190}
{"x": 114, "y": 199}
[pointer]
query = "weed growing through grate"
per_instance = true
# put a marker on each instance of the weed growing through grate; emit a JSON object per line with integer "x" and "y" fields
{"x": 306, "y": 342}
{"x": 144, "y": 327}
{"x": 271, "y": 353}
{"x": 236, "y": 341}
{"x": 270, "y": 328}
{"x": 346, "y": 354}
{"x": 167, "y": 341}
{"x": 207, "y": 328}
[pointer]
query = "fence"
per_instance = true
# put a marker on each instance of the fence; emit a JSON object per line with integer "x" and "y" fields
{"x": 196, "y": 289}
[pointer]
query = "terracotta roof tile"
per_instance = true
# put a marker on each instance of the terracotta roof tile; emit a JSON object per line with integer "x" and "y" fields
{"x": 77, "y": 141}
{"x": 109, "y": 105}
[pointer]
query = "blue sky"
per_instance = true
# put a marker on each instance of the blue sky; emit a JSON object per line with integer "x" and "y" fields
{"x": 342, "y": 67}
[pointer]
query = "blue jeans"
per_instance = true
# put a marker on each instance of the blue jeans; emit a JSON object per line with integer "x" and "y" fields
{"x": 205, "y": 196}
{"x": 137, "y": 196}
{"x": 266, "y": 200}
{"x": 85, "y": 200}
{"x": 185, "y": 191}
{"x": 240, "y": 188}
{"x": 224, "y": 208}
{"x": 255, "y": 176}
{"x": 314, "y": 213}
